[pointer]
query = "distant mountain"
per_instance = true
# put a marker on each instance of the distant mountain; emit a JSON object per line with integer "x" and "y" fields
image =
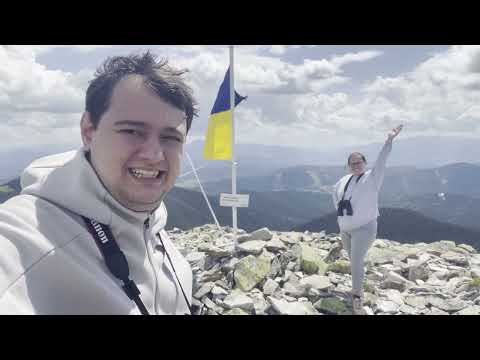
{"x": 459, "y": 178}
{"x": 421, "y": 151}
{"x": 260, "y": 160}
{"x": 14, "y": 161}
{"x": 405, "y": 226}
{"x": 186, "y": 208}
{"x": 277, "y": 210}
{"x": 9, "y": 189}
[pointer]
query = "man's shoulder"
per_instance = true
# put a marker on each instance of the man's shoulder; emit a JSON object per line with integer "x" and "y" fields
{"x": 26, "y": 207}
{"x": 30, "y": 229}
{"x": 27, "y": 220}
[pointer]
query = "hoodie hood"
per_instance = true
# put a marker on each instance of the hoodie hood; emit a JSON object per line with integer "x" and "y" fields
{"x": 68, "y": 180}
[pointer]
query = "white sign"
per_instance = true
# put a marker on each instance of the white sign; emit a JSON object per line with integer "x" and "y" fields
{"x": 237, "y": 200}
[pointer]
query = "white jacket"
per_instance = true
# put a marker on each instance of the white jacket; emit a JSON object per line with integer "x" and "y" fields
{"x": 49, "y": 262}
{"x": 364, "y": 193}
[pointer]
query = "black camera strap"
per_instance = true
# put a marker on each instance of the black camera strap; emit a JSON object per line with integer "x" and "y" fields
{"x": 115, "y": 260}
{"x": 178, "y": 280}
{"x": 348, "y": 183}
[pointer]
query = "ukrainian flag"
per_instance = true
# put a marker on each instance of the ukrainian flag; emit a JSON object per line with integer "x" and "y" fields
{"x": 218, "y": 144}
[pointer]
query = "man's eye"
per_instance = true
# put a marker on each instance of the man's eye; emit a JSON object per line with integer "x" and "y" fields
{"x": 131, "y": 132}
{"x": 171, "y": 138}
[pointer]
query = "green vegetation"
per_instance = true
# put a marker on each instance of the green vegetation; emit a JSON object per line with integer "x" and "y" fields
{"x": 5, "y": 189}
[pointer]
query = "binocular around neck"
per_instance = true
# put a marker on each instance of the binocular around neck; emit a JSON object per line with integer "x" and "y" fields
{"x": 344, "y": 205}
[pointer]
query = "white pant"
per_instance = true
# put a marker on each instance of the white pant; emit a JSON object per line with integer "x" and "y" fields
{"x": 357, "y": 242}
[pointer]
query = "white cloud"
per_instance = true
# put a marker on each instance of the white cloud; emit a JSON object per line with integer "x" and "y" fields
{"x": 266, "y": 74}
{"x": 438, "y": 97}
{"x": 361, "y": 56}
{"x": 42, "y": 49}
{"x": 26, "y": 85}
{"x": 293, "y": 103}
{"x": 38, "y": 105}
{"x": 278, "y": 49}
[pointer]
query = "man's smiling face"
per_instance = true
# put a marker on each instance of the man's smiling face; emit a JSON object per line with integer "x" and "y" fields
{"x": 137, "y": 146}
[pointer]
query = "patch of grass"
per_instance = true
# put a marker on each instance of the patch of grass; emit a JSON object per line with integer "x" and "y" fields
{"x": 5, "y": 189}
{"x": 368, "y": 287}
{"x": 475, "y": 282}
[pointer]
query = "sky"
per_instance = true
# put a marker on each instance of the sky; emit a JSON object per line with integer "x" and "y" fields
{"x": 309, "y": 96}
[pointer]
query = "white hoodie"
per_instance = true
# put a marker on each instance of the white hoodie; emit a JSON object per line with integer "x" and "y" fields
{"x": 49, "y": 262}
{"x": 364, "y": 193}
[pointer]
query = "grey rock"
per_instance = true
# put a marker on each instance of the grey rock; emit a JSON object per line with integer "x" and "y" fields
{"x": 243, "y": 238}
{"x": 317, "y": 282}
{"x": 386, "y": 306}
{"x": 369, "y": 299}
{"x": 283, "y": 307}
{"x": 252, "y": 247}
{"x": 408, "y": 310}
{"x": 229, "y": 265}
{"x": 275, "y": 244}
{"x": 436, "y": 311}
{"x": 340, "y": 266}
{"x": 275, "y": 268}
{"x": 475, "y": 273}
{"x": 378, "y": 256}
{"x": 332, "y": 306}
{"x": 306, "y": 238}
{"x": 334, "y": 252}
{"x": 204, "y": 290}
{"x": 298, "y": 274}
{"x": 395, "y": 296}
{"x": 219, "y": 292}
{"x": 238, "y": 299}
{"x": 213, "y": 274}
{"x": 310, "y": 259}
{"x": 449, "y": 305}
{"x": 236, "y": 311}
{"x": 379, "y": 243}
{"x": 223, "y": 284}
{"x": 291, "y": 266}
{"x": 418, "y": 302}
{"x": 368, "y": 310}
{"x": 466, "y": 247}
{"x": 287, "y": 275}
{"x": 270, "y": 287}
{"x": 418, "y": 271}
{"x": 290, "y": 239}
{"x": 251, "y": 270}
{"x": 455, "y": 258}
{"x": 196, "y": 258}
{"x": 211, "y": 305}
{"x": 471, "y": 310}
{"x": 436, "y": 278}
{"x": 259, "y": 303}
{"x": 261, "y": 234}
{"x": 295, "y": 289}
{"x": 335, "y": 278}
{"x": 394, "y": 281}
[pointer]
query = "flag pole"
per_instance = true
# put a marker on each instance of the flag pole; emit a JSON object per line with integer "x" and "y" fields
{"x": 203, "y": 192}
{"x": 234, "y": 164}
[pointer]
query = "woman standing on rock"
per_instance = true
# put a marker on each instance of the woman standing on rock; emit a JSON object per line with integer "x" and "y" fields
{"x": 355, "y": 197}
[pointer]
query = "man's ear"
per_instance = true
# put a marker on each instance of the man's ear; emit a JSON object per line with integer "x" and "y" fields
{"x": 86, "y": 129}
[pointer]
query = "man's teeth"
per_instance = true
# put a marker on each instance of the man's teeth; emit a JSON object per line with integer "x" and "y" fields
{"x": 139, "y": 173}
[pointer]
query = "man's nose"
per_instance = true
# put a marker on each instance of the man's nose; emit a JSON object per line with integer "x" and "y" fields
{"x": 152, "y": 150}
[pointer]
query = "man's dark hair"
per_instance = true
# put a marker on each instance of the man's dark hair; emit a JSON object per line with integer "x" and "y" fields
{"x": 165, "y": 81}
{"x": 356, "y": 153}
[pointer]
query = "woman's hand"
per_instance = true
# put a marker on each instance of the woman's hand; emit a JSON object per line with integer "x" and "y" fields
{"x": 392, "y": 134}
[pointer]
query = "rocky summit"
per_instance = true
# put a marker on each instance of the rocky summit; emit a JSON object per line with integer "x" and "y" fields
{"x": 291, "y": 273}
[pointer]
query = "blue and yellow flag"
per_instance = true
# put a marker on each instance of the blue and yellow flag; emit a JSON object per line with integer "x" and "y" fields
{"x": 218, "y": 144}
